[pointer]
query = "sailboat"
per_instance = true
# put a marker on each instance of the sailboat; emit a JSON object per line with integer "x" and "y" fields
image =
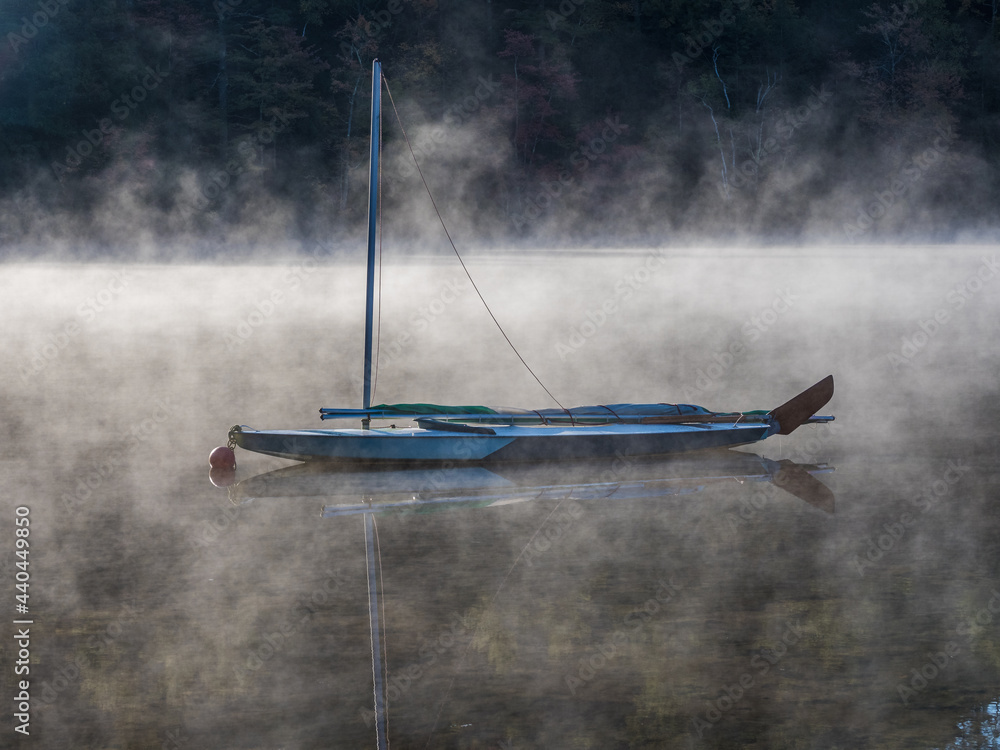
{"x": 467, "y": 434}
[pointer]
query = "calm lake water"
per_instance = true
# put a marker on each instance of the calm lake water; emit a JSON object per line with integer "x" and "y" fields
{"x": 667, "y": 604}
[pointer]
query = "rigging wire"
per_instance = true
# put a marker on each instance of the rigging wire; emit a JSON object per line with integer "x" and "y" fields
{"x": 457, "y": 254}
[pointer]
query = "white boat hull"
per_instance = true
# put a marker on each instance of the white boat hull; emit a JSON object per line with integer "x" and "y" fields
{"x": 509, "y": 443}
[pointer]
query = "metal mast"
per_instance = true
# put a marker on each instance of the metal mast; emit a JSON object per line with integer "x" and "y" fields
{"x": 372, "y": 226}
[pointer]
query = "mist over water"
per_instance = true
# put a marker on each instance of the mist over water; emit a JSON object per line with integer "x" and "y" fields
{"x": 713, "y": 612}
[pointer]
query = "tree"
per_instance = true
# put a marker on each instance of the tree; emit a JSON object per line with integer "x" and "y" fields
{"x": 358, "y": 47}
{"x": 271, "y": 78}
{"x": 532, "y": 89}
{"x": 914, "y": 71}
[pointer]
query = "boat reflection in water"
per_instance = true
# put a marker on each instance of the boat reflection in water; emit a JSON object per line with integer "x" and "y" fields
{"x": 723, "y": 621}
{"x": 350, "y": 491}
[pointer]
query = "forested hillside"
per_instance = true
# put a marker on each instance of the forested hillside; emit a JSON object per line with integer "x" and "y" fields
{"x": 563, "y": 121}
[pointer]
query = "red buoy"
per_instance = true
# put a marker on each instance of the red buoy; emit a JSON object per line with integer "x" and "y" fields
{"x": 222, "y": 458}
{"x": 222, "y": 477}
